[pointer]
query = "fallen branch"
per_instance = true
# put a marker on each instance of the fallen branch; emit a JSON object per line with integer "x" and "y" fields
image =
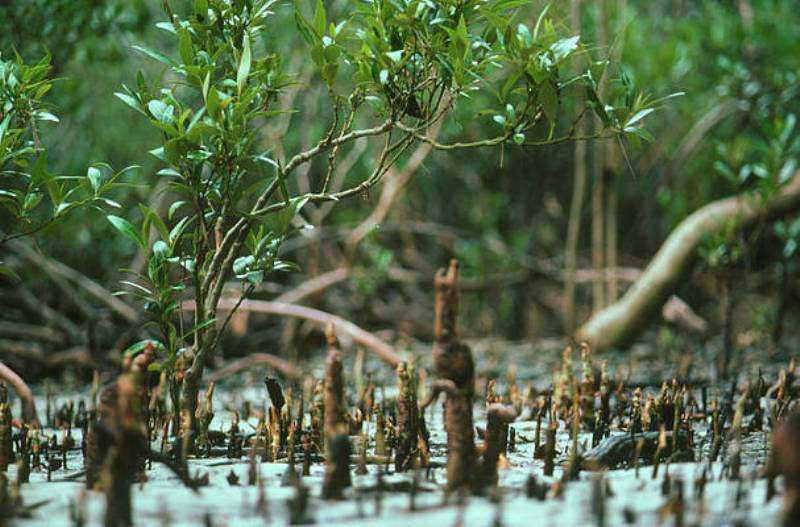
{"x": 620, "y": 323}
{"x": 23, "y": 392}
{"x": 59, "y": 272}
{"x": 618, "y": 450}
{"x": 245, "y": 363}
{"x": 394, "y": 183}
{"x": 28, "y": 300}
{"x": 314, "y": 285}
{"x": 363, "y": 337}
{"x": 20, "y": 330}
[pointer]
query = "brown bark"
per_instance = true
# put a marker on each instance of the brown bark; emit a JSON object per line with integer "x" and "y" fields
{"x": 786, "y": 460}
{"x": 453, "y": 362}
{"x": 6, "y": 432}
{"x": 599, "y": 186}
{"x": 621, "y": 323}
{"x": 407, "y": 418}
{"x": 549, "y": 448}
{"x": 285, "y": 367}
{"x": 612, "y": 169}
{"x": 498, "y": 417}
{"x": 576, "y": 205}
{"x": 361, "y": 336}
{"x": 122, "y": 463}
{"x": 337, "y": 468}
{"x": 62, "y": 275}
{"x": 23, "y": 392}
{"x": 334, "y": 420}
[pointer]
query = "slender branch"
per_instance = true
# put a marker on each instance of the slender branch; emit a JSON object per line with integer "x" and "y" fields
{"x": 453, "y": 146}
{"x": 59, "y": 270}
{"x": 285, "y": 367}
{"x": 363, "y": 337}
{"x": 326, "y": 144}
{"x": 23, "y": 392}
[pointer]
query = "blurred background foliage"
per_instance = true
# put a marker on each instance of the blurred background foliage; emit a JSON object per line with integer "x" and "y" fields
{"x": 502, "y": 212}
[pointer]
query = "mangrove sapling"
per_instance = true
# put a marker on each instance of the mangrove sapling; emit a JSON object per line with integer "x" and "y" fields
{"x": 498, "y": 417}
{"x": 408, "y": 425}
{"x": 32, "y": 197}
{"x": 121, "y": 464}
{"x": 23, "y": 392}
{"x": 337, "y": 442}
{"x": 235, "y": 202}
{"x": 337, "y": 467}
{"x": 454, "y": 366}
{"x": 550, "y": 448}
{"x": 6, "y": 430}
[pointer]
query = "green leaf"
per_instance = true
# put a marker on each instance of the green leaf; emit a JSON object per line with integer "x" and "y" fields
{"x": 242, "y": 264}
{"x": 280, "y": 221}
{"x": 185, "y": 47}
{"x": 244, "y": 64}
{"x": 162, "y": 112}
{"x": 463, "y": 36}
{"x": 46, "y": 116}
{"x": 4, "y": 126}
{"x": 564, "y": 47}
{"x": 95, "y": 177}
{"x": 213, "y": 102}
{"x": 320, "y": 18}
{"x": 130, "y": 101}
{"x": 135, "y": 349}
{"x": 177, "y": 231}
{"x": 395, "y": 56}
{"x": 638, "y": 116}
{"x": 201, "y": 8}
{"x": 161, "y": 249}
{"x": 305, "y": 29}
{"x": 155, "y": 220}
{"x": 519, "y": 138}
{"x": 153, "y": 54}
{"x": 539, "y": 21}
{"x": 524, "y": 35}
{"x": 42, "y": 176}
{"x": 548, "y": 98}
{"x": 174, "y": 207}
{"x": 126, "y": 228}
{"x": 9, "y": 273}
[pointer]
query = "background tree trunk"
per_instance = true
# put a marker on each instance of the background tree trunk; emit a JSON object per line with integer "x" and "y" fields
{"x": 576, "y": 206}
{"x": 599, "y": 188}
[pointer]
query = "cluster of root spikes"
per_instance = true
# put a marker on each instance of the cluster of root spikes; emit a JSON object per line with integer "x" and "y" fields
{"x": 602, "y": 422}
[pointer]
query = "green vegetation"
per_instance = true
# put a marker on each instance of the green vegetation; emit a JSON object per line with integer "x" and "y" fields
{"x": 453, "y": 122}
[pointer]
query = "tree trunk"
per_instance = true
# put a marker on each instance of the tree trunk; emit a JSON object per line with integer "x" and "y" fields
{"x": 613, "y": 169}
{"x": 783, "y": 301}
{"x": 620, "y": 323}
{"x": 728, "y": 305}
{"x": 598, "y": 243}
{"x": 612, "y": 200}
{"x": 576, "y": 205}
{"x": 599, "y": 188}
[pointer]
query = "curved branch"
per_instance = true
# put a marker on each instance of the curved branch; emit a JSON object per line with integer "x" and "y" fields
{"x": 392, "y": 189}
{"x": 363, "y": 337}
{"x": 620, "y": 323}
{"x": 328, "y": 143}
{"x": 314, "y": 285}
{"x": 23, "y": 392}
{"x": 59, "y": 271}
{"x": 276, "y": 363}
